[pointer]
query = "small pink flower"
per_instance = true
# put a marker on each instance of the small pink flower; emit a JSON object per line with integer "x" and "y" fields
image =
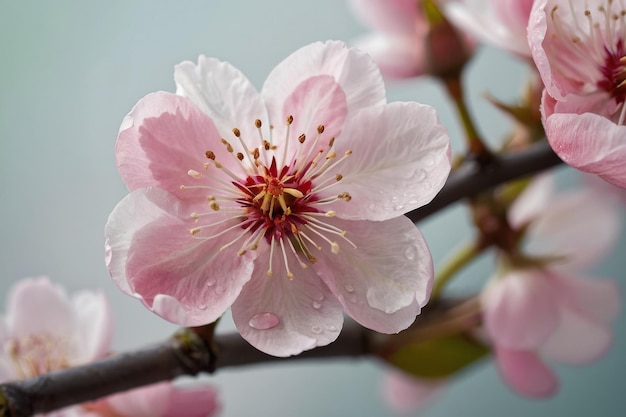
{"x": 165, "y": 400}
{"x": 500, "y": 23}
{"x": 405, "y": 393}
{"x": 548, "y": 312}
{"x": 399, "y": 42}
{"x": 286, "y": 204}
{"x": 44, "y": 330}
{"x": 579, "y": 49}
{"x": 396, "y": 44}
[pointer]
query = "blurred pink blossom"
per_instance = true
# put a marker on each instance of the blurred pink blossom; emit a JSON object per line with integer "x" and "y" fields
{"x": 405, "y": 393}
{"x": 500, "y": 23}
{"x": 400, "y": 42}
{"x": 548, "y": 311}
{"x": 45, "y": 330}
{"x": 164, "y": 400}
{"x": 286, "y": 204}
{"x": 579, "y": 50}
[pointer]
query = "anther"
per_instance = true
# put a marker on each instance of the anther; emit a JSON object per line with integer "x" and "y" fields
{"x": 214, "y": 206}
{"x": 240, "y": 156}
{"x": 338, "y": 177}
{"x": 289, "y": 120}
{"x": 195, "y": 231}
{"x": 330, "y": 213}
{"x": 334, "y": 247}
{"x": 301, "y": 138}
{"x": 236, "y": 132}
{"x": 194, "y": 174}
{"x": 210, "y": 155}
{"x": 255, "y": 153}
{"x": 331, "y": 142}
{"x": 258, "y": 123}
{"x": 229, "y": 147}
{"x": 320, "y": 129}
{"x": 345, "y": 196}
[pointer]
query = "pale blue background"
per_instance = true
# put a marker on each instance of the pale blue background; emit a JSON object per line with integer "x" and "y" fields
{"x": 70, "y": 71}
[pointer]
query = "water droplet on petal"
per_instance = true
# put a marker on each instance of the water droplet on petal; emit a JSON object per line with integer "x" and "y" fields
{"x": 349, "y": 288}
{"x": 264, "y": 321}
{"x": 398, "y": 207}
{"x": 202, "y": 306}
{"x": 420, "y": 174}
{"x": 410, "y": 253}
{"x": 220, "y": 290}
{"x": 316, "y": 305}
{"x": 210, "y": 283}
{"x": 332, "y": 328}
{"x": 316, "y": 329}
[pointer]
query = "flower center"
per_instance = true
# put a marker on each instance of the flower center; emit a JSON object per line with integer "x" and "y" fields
{"x": 279, "y": 203}
{"x": 37, "y": 354}
{"x": 594, "y": 39}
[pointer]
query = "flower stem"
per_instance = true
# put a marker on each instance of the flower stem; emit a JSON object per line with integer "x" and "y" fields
{"x": 455, "y": 264}
{"x": 476, "y": 146}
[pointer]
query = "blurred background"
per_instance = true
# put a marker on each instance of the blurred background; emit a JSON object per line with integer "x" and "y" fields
{"x": 71, "y": 70}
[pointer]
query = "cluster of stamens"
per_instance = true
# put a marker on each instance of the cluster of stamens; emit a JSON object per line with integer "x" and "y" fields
{"x": 37, "y": 354}
{"x": 599, "y": 45}
{"x": 275, "y": 200}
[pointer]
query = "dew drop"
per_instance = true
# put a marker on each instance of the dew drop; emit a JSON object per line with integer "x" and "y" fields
{"x": 349, "y": 288}
{"x": 316, "y": 305}
{"x": 210, "y": 283}
{"x": 332, "y": 328}
{"x": 202, "y": 306}
{"x": 420, "y": 174}
{"x": 220, "y": 290}
{"x": 410, "y": 252}
{"x": 264, "y": 321}
{"x": 398, "y": 207}
{"x": 316, "y": 329}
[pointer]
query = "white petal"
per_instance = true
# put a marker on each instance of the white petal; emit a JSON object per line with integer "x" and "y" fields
{"x": 385, "y": 281}
{"x": 284, "y": 317}
{"x": 399, "y": 161}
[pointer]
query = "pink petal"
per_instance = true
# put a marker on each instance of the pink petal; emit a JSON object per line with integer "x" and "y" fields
{"x": 578, "y": 228}
{"x": 533, "y": 201}
{"x": 284, "y": 317}
{"x": 164, "y": 137}
{"x": 223, "y": 93}
{"x": 397, "y": 55}
{"x": 353, "y": 70}
{"x": 526, "y": 373}
{"x": 485, "y": 20}
{"x": 578, "y": 339}
{"x": 405, "y": 393}
{"x": 316, "y": 101}
{"x": 519, "y": 309}
{"x": 165, "y": 400}
{"x": 576, "y": 139}
{"x": 196, "y": 401}
{"x": 54, "y": 313}
{"x": 600, "y": 300}
{"x": 400, "y": 16}
{"x": 159, "y": 256}
{"x": 148, "y": 401}
{"x": 386, "y": 279}
{"x": 400, "y": 160}
{"x": 94, "y": 326}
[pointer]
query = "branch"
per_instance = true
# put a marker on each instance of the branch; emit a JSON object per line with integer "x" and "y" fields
{"x": 470, "y": 178}
{"x": 187, "y": 353}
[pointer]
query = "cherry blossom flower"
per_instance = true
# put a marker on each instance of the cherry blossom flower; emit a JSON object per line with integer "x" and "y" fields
{"x": 44, "y": 330}
{"x": 579, "y": 49}
{"x": 396, "y": 44}
{"x": 500, "y": 23}
{"x": 286, "y": 204}
{"x": 400, "y": 41}
{"x": 548, "y": 311}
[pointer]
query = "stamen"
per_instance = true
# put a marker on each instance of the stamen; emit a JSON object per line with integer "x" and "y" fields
{"x": 269, "y": 270}
{"x": 282, "y": 247}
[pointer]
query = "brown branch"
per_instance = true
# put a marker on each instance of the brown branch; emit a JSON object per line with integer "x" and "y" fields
{"x": 187, "y": 353}
{"x": 470, "y": 178}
